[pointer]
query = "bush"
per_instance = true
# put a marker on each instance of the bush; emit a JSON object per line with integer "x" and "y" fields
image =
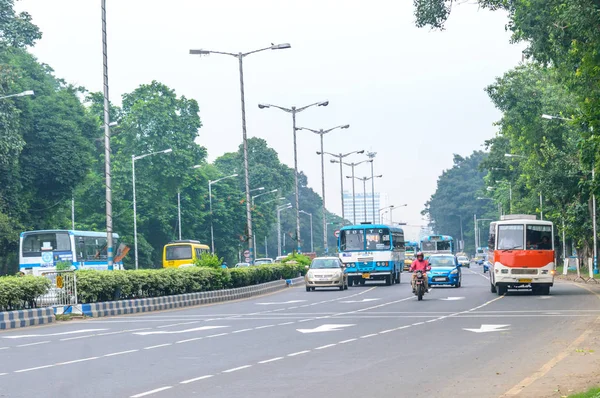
{"x": 209, "y": 260}
{"x": 98, "y": 286}
{"x": 300, "y": 259}
{"x": 19, "y": 292}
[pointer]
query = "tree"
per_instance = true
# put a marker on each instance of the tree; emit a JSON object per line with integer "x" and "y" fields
{"x": 16, "y": 30}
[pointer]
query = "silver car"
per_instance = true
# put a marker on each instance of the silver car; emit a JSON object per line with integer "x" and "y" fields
{"x": 326, "y": 272}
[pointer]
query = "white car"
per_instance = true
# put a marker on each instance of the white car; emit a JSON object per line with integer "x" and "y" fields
{"x": 262, "y": 261}
{"x": 326, "y": 272}
{"x": 464, "y": 261}
{"x": 242, "y": 265}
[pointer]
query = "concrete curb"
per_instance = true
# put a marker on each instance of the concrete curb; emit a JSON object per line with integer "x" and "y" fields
{"x": 24, "y": 318}
{"x": 112, "y": 308}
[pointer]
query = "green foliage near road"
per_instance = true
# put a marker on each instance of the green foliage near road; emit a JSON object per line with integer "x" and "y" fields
{"x": 209, "y": 260}
{"x": 97, "y": 286}
{"x": 297, "y": 258}
{"x": 19, "y": 292}
{"x": 592, "y": 393}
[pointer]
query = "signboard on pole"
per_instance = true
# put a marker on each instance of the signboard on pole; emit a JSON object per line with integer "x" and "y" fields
{"x": 336, "y": 233}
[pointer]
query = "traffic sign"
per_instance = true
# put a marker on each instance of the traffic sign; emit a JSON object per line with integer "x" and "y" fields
{"x": 246, "y": 253}
{"x": 336, "y": 233}
{"x": 59, "y": 281}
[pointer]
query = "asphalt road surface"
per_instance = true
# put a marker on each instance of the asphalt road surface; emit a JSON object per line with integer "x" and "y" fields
{"x": 371, "y": 340}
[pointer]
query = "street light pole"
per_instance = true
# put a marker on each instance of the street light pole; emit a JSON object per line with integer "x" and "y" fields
{"x": 293, "y": 110}
{"x": 312, "y": 248}
{"x": 340, "y": 157}
{"x": 212, "y": 233}
{"x": 279, "y": 210}
{"x": 321, "y": 133}
{"x": 371, "y": 155}
{"x": 364, "y": 181}
{"x": 179, "y": 212}
{"x": 135, "y": 240}
{"x": 394, "y": 208}
{"x": 23, "y": 94}
{"x": 240, "y": 56}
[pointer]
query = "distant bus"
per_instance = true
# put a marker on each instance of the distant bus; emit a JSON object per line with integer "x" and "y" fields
{"x": 183, "y": 253}
{"x": 411, "y": 249}
{"x": 41, "y": 251}
{"x": 372, "y": 252}
{"x": 481, "y": 254}
{"x": 437, "y": 244}
{"x": 521, "y": 254}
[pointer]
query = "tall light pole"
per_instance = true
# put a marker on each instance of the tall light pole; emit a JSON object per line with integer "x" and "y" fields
{"x": 371, "y": 155}
{"x": 240, "y": 56}
{"x": 279, "y": 210}
{"x": 364, "y": 181}
{"x": 312, "y": 247}
{"x": 352, "y": 165}
{"x": 394, "y": 208}
{"x": 339, "y": 157}
{"x": 261, "y": 194}
{"x": 212, "y": 233}
{"x": 107, "y": 151}
{"x": 382, "y": 209}
{"x": 294, "y": 110}
{"x": 133, "y": 159}
{"x": 23, "y": 94}
{"x": 321, "y": 133}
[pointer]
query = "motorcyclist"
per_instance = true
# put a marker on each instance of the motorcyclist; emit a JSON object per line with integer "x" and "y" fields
{"x": 420, "y": 264}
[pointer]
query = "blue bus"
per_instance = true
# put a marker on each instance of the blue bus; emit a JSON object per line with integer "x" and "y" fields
{"x": 372, "y": 252}
{"x": 41, "y": 251}
{"x": 431, "y": 244}
{"x": 411, "y": 248}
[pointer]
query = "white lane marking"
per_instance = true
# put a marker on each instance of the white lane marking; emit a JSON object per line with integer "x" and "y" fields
{"x": 217, "y": 335}
{"x": 325, "y": 328}
{"x": 76, "y": 361}
{"x": 346, "y": 341}
{"x": 24, "y": 336}
{"x": 452, "y": 298}
{"x": 418, "y": 323}
{"x": 284, "y": 323}
{"x": 264, "y": 327}
{"x": 360, "y": 301}
{"x": 279, "y": 309}
{"x": 241, "y": 330}
{"x": 36, "y": 368}
{"x": 236, "y": 369}
{"x": 298, "y": 353}
{"x": 198, "y": 329}
{"x": 4, "y": 348}
{"x": 178, "y": 324}
{"x": 30, "y": 344}
{"x": 114, "y": 354}
{"x": 196, "y": 379}
{"x": 78, "y": 337}
{"x": 3, "y": 374}
{"x": 188, "y": 340}
{"x": 366, "y": 336}
{"x": 386, "y": 331}
{"x": 151, "y": 392}
{"x": 135, "y": 330}
{"x": 325, "y": 346}
{"x": 271, "y": 360}
{"x": 156, "y": 346}
{"x": 110, "y": 333}
{"x": 489, "y": 328}
{"x": 282, "y": 302}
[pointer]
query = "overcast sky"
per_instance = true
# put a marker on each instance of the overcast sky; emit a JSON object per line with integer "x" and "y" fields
{"x": 412, "y": 95}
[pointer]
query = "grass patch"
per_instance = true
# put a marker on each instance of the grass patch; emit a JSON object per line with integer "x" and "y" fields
{"x": 68, "y": 317}
{"x": 593, "y": 393}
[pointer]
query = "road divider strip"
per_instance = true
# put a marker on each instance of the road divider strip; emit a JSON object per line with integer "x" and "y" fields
{"x": 24, "y": 318}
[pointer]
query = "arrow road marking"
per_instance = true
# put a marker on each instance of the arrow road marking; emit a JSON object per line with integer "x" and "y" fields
{"x": 324, "y": 328}
{"x": 489, "y": 328}
{"x": 180, "y": 331}
{"x": 24, "y": 336}
{"x": 282, "y": 302}
{"x": 360, "y": 301}
{"x": 452, "y": 298}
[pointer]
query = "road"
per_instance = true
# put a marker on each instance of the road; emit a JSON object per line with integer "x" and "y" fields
{"x": 370, "y": 340}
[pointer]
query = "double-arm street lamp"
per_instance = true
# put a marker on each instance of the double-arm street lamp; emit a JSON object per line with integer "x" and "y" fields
{"x": 352, "y": 165}
{"x": 133, "y": 159}
{"x": 322, "y": 153}
{"x": 240, "y": 56}
{"x": 339, "y": 157}
{"x": 364, "y": 181}
{"x": 212, "y": 234}
{"x": 294, "y": 110}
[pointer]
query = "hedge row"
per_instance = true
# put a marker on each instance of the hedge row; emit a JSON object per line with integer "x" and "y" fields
{"x": 98, "y": 286}
{"x": 19, "y": 292}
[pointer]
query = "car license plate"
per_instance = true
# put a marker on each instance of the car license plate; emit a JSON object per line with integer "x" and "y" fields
{"x": 439, "y": 279}
{"x": 366, "y": 275}
{"x": 524, "y": 280}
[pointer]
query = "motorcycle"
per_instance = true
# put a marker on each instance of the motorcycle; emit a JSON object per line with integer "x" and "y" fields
{"x": 420, "y": 285}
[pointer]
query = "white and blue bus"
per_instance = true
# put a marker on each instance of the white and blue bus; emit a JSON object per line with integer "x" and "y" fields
{"x": 432, "y": 244}
{"x": 372, "y": 252}
{"x": 41, "y": 251}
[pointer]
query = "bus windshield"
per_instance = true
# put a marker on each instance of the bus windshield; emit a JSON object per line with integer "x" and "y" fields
{"x": 33, "y": 243}
{"x": 179, "y": 252}
{"x": 378, "y": 239}
{"x": 510, "y": 237}
{"x": 352, "y": 239}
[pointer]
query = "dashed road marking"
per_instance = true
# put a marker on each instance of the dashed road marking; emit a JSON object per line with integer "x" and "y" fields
{"x": 271, "y": 360}
{"x": 30, "y": 344}
{"x": 196, "y": 379}
{"x": 346, "y": 341}
{"x": 236, "y": 369}
{"x": 298, "y": 353}
{"x": 114, "y": 354}
{"x": 151, "y": 392}
{"x": 325, "y": 346}
{"x": 157, "y": 346}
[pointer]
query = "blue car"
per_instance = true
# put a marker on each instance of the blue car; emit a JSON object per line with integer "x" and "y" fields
{"x": 445, "y": 270}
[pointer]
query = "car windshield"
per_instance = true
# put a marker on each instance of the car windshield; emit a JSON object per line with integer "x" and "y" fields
{"x": 262, "y": 261}
{"x": 320, "y": 263}
{"x": 441, "y": 261}
{"x": 463, "y": 259}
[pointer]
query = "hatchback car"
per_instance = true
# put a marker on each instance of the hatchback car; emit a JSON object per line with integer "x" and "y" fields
{"x": 445, "y": 270}
{"x": 464, "y": 261}
{"x": 326, "y": 272}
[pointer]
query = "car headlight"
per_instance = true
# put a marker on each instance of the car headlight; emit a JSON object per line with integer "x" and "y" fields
{"x": 454, "y": 272}
{"x": 309, "y": 274}
{"x": 337, "y": 274}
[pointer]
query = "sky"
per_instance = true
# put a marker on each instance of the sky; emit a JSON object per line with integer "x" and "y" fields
{"x": 413, "y": 96}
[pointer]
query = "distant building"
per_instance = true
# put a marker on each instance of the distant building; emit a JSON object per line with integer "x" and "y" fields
{"x": 360, "y": 207}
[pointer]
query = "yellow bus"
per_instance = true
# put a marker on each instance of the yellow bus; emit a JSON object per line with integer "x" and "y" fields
{"x": 183, "y": 253}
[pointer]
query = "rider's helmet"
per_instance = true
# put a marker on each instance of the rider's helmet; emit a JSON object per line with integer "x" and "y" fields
{"x": 420, "y": 254}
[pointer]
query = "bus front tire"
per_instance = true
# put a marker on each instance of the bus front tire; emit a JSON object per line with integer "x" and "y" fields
{"x": 492, "y": 288}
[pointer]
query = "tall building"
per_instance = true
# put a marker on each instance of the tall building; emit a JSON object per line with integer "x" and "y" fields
{"x": 360, "y": 207}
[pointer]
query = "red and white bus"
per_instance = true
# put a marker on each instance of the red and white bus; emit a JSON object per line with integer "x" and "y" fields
{"x": 521, "y": 254}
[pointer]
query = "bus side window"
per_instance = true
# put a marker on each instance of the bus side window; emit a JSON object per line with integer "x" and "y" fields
{"x": 492, "y": 237}
{"x": 198, "y": 253}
